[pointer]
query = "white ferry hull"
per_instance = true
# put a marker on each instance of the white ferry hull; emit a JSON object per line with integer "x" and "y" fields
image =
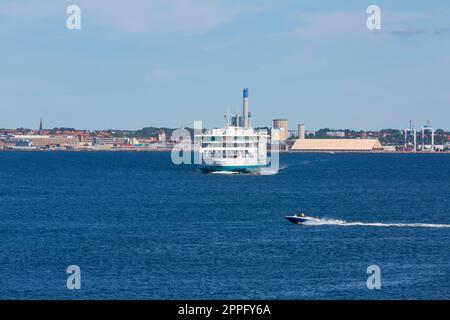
{"x": 232, "y": 168}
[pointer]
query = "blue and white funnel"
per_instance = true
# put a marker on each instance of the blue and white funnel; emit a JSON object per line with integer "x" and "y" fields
{"x": 245, "y": 108}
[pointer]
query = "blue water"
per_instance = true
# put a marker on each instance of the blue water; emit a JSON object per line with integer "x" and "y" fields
{"x": 142, "y": 228}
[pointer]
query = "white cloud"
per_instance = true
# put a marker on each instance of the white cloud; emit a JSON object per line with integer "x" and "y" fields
{"x": 163, "y": 16}
{"x": 330, "y": 24}
{"x": 327, "y": 25}
{"x": 136, "y": 16}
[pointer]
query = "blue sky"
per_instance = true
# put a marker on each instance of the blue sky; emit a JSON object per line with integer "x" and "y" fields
{"x": 170, "y": 62}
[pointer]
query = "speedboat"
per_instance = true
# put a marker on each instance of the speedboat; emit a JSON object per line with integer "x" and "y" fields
{"x": 301, "y": 219}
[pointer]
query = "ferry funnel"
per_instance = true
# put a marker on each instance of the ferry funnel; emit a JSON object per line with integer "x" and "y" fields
{"x": 245, "y": 107}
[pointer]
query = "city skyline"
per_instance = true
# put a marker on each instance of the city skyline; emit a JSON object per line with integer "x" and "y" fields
{"x": 177, "y": 61}
{"x": 41, "y": 127}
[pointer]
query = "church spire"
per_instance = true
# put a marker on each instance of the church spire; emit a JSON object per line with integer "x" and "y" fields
{"x": 40, "y": 127}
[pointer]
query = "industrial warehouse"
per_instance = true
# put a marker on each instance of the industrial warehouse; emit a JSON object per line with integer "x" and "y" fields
{"x": 337, "y": 145}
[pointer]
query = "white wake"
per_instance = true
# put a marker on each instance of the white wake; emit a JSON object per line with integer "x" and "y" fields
{"x": 225, "y": 172}
{"x": 269, "y": 171}
{"x": 374, "y": 224}
{"x": 264, "y": 171}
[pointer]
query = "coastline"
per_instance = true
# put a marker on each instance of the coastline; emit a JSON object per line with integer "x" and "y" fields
{"x": 85, "y": 150}
{"x": 170, "y": 150}
{"x": 368, "y": 152}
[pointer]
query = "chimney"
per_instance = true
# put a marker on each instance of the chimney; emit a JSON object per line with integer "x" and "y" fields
{"x": 245, "y": 108}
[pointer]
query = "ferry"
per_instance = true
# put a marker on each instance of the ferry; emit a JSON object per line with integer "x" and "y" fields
{"x": 237, "y": 148}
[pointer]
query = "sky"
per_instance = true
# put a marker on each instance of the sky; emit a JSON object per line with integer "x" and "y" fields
{"x": 141, "y": 63}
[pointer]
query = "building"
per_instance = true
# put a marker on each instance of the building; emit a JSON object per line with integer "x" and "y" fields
{"x": 337, "y": 145}
{"x": 11, "y": 141}
{"x": 162, "y": 136}
{"x": 237, "y": 120}
{"x": 147, "y": 140}
{"x": 338, "y": 134}
{"x": 301, "y": 131}
{"x": 48, "y": 141}
{"x": 390, "y": 148}
{"x": 112, "y": 141}
{"x": 283, "y": 127}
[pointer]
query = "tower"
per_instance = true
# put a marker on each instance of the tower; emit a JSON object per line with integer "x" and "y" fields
{"x": 283, "y": 127}
{"x": 301, "y": 131}
{"x": 40, "y": 126}
{"x": 245, "y": 108}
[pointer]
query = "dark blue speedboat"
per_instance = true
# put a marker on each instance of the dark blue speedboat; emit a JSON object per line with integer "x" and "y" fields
{"x": 301, "y": 219}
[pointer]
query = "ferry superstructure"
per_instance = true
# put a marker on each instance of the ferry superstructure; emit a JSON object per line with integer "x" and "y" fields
{"x": 235, "y": 148}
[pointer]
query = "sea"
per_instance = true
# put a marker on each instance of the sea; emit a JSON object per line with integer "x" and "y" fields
{"x": 140, "y": 227}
